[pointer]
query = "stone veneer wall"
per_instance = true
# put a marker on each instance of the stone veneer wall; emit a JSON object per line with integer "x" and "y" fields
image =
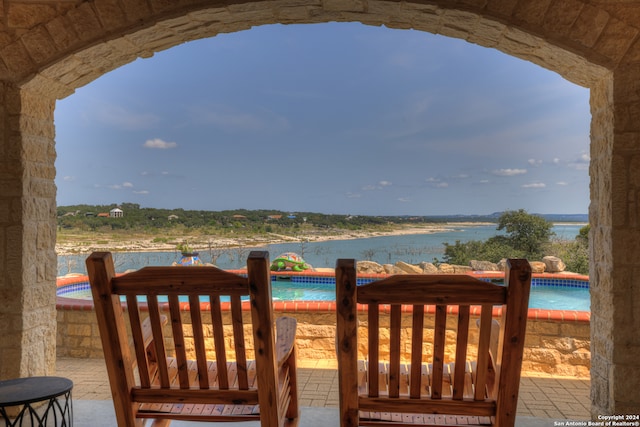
{"x": 54, "y": 47}
{"x": 553, "y": 347}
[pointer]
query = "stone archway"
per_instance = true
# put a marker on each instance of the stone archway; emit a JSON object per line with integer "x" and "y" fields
{"x": 48, "y": 52}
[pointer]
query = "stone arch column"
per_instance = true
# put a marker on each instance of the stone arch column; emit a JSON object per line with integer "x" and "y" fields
{"x": 615, "y": 242}
{"x": 57, "y": 50}
{"x": 27, "y": 233}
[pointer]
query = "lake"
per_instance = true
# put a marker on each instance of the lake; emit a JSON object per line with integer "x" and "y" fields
{"x": 413, "y": 248}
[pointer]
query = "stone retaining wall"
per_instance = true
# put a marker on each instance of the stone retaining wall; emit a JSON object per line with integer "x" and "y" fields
{"x": 552, "y": 347}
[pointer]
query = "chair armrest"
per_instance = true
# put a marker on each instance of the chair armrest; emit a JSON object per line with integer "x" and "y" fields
{"x": 285, "y": 338}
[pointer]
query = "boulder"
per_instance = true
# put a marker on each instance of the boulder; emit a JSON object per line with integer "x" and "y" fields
{"x": 396, "y": 270}
{"x": 369, "y": 267}
{"x": 483, "y": 265}
{"x": 428, "y": 267}
{"x": 392, "y": 269}
{"x": 553, "y": 264}
{"x": 408, "y": 268}
{"x": 445, "y": 268}
{"x": 537, "y": 266}
{"x": 461, "y": 269}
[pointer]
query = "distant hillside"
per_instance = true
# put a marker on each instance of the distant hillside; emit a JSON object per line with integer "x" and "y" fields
{"x": 557, "y": 217}
{"x": 493, "y": 217}
{"x": 567, "y": 217}
{"x": 93, "y": 217}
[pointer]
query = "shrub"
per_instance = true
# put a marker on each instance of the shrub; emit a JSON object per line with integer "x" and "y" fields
{"x": 526, "y": 236}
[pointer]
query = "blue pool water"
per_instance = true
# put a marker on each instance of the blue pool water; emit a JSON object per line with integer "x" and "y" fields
{"x": 554, "y": 294}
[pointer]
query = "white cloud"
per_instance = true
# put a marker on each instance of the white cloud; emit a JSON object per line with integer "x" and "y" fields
{"x": 120, "y": 186}
{"x": 508, "y": 172}
{"x": 581, "y": 163}
{"x": 141, "y": 192}
{"x": 404, "y": 199}
{"x": 562, "y": 183}
{"x": 379, "y": 186}
{"x": 159, "y": 143}
{"x": 354, "y": 195}
{"x": 437, "y": 182}
{"x": 534, "y": 185}
{"x": 69, "y": 178}
{"x": 534, "y": 162}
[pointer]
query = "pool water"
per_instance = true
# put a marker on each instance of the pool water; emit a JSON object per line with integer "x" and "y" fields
{"x": 553, "y": 295}
{"x": 560, "y": 298}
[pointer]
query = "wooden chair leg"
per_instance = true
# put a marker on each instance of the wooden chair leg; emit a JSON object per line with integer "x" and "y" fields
{"x": 293, "y": 410}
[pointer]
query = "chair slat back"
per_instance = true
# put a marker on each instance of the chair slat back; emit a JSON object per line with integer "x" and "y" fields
{"x": 160, "y": 290}
{"x": 437, "y": 360}
{"x": 166, "y": 363}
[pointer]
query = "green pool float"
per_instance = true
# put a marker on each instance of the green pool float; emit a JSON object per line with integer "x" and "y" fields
{"x": 289, "y": 261}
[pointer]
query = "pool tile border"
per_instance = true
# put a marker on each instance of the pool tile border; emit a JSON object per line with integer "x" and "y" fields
{"x": 63, "y": 303}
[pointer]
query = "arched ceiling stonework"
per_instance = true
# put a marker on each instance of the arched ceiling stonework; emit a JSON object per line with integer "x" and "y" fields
{"x": 49, "y": 48}
{"x": 54, "y": 47}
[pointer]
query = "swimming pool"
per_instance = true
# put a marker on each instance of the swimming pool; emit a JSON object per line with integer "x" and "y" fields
{"x": 549, "y": 293}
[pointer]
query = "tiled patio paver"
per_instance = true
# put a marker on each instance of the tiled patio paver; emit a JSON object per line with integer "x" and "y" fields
{"x": 542, "y": 397}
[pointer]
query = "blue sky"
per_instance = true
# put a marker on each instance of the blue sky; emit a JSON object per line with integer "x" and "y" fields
{"x": 335, "y": 118}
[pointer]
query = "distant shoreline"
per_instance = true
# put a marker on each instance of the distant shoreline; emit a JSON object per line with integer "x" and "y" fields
{"x": 142, "y": 243}
{"x": 204, "y": 242}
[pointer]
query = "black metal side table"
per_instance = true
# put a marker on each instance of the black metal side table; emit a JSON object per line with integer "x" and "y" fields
{"x": 54, "y": 392}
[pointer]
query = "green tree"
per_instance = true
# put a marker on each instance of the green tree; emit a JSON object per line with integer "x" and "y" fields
{"x": 526, "y": 237}
{"x": 493, "y": 250}
{"x": 526, "y": 232}
{"x": 583, "y": 235}
{"x": 574, "y": 254}
{"x": 461, "y": 253}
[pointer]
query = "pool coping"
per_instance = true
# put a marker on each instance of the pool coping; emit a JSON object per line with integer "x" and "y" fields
{"x": 63, "y": 303}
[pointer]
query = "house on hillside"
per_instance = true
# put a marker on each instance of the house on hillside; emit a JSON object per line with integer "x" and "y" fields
{"x": 116, "y": 213}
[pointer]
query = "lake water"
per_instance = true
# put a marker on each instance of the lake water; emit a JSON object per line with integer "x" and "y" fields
{"x": 412, "y": 248}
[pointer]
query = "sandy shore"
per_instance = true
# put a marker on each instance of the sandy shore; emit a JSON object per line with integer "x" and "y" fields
{"x": 206, "y": 242}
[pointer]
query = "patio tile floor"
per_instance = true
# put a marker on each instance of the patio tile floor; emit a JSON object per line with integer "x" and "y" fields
{"x": 540, "y": 397}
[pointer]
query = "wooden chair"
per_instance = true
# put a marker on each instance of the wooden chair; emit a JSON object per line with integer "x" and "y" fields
{"x": 184, "y": 371}
{"x": 471, "y": 383}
